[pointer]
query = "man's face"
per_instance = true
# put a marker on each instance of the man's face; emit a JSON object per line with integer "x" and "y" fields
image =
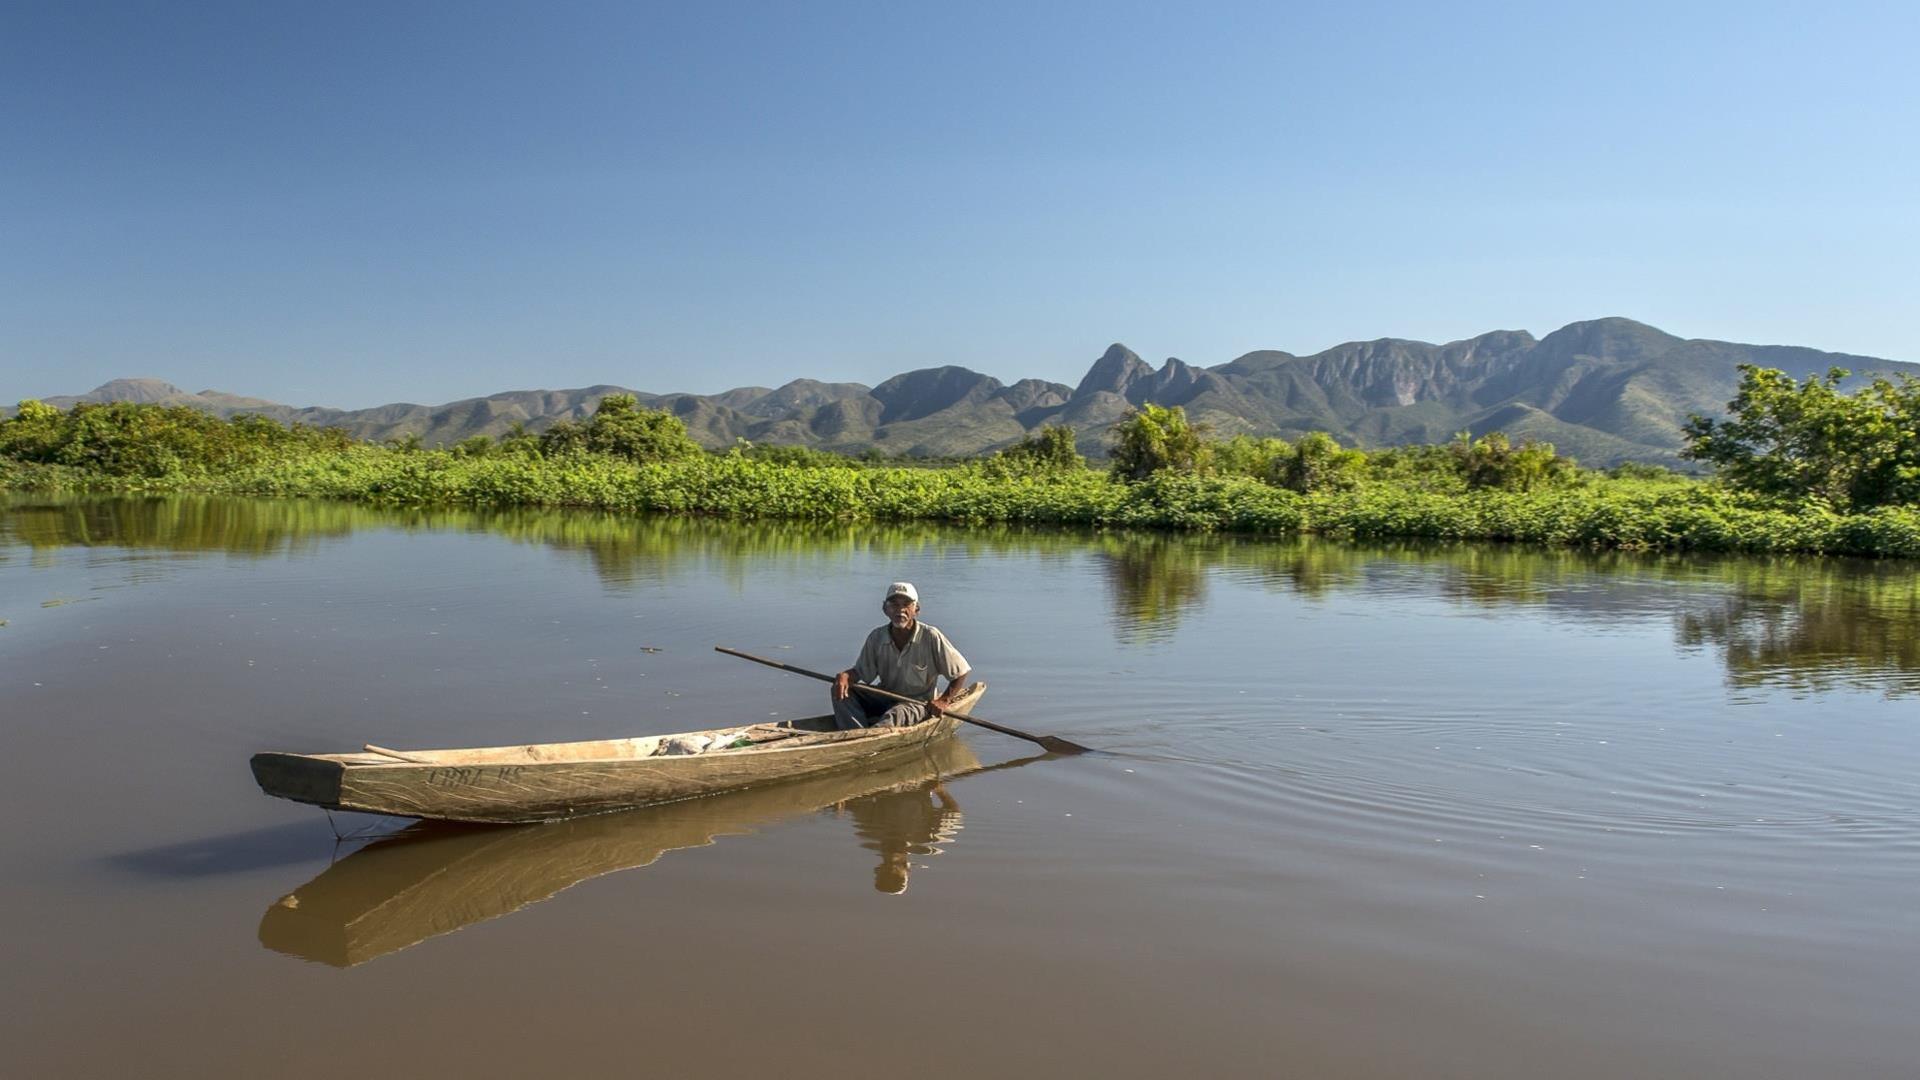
{"x": 900, "y": 611}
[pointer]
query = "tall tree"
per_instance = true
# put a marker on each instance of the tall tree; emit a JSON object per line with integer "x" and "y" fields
{"x": 1808, "y": 442}
{"x": 1152, "y": 438}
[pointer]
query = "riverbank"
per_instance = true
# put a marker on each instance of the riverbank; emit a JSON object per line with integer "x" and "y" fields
{"x": 1602, "y": 512}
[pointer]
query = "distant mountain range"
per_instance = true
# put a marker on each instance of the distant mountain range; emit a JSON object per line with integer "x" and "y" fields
{"x": 1604, "y": 391}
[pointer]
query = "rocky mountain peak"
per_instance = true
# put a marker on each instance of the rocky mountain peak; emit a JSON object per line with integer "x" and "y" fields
{"x": 1172, "y": 384}
{"x": 1117, "y": 369}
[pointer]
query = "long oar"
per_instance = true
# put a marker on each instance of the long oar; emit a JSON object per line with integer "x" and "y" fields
{"x": 1050, "y": 742}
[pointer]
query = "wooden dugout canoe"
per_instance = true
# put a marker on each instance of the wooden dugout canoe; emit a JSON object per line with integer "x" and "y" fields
{"x": 553, "y": 781}
{"x": 427, "y": 880}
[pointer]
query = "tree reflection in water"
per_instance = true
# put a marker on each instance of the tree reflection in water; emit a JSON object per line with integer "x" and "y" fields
{"x": 1801, "y": 622}
{"x": 1153, "y": 580}
{"x": 1814, "y": 626}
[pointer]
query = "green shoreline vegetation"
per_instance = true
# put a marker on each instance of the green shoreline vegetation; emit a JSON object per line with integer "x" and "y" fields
{"x": 1800, "y": 468}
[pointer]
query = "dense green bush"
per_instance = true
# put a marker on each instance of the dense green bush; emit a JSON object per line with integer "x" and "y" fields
{"x": 1246, "y": 455}
{"x": 1151, "y": 439}
{"x": 1318, "y": 463}
{"x": 1049, "y": 450}
{"x": 34, "y": 433}
{"x": 1810, "y": 443}
{"x": 1418, "y": 467}
{"x": 620, "y": 428}
{"x": 1492, "y": 461}
{"x": 563, "y": 437}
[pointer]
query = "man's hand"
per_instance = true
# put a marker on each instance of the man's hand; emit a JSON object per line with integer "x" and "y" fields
{"x": 842, "y": 686}
{"x": 937, "y": 707}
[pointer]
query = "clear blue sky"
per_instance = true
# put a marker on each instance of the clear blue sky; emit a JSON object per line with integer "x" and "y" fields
{"x": 355, "y": 203}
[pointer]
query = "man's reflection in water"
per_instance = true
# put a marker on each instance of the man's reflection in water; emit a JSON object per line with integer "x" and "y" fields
{"x": 902, "y": 824}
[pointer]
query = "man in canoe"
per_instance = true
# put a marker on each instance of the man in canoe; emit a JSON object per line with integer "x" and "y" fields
{"x": 905, "y": 656}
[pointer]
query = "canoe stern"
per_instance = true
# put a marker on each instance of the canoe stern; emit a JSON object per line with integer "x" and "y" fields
{"x": 299, "y": 777}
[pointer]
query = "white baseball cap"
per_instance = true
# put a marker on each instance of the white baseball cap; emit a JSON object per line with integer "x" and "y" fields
{"x": 903, "y": 588}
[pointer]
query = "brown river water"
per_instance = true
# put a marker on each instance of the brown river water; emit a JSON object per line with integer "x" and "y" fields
{"x": 1462, "y": 811}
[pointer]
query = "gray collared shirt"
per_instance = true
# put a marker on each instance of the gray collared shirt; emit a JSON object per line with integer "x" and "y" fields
{"x": 915, "y": 670}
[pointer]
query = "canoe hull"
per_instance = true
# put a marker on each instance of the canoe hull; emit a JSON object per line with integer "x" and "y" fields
{"x": 464, "y": 786}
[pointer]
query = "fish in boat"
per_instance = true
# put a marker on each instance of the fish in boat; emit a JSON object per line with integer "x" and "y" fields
{"x": 430, "y": 879}
{"x": 554, "y": 781}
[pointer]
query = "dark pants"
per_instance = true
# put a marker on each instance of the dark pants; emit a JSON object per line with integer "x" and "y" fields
{"x": 863, "y": 710}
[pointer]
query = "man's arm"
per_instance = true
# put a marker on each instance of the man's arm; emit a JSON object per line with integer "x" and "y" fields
{"x": 949, "y": 659}
{"x": 954, "y": 685}
{"x": 843, "y": 682}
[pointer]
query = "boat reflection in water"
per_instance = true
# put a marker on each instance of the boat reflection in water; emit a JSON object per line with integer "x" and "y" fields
{"x": 433, "y": 879}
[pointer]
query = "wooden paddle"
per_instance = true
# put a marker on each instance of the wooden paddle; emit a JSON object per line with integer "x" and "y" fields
{"x": 1050, "y": 742}
{"x": 384, "y": 752}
